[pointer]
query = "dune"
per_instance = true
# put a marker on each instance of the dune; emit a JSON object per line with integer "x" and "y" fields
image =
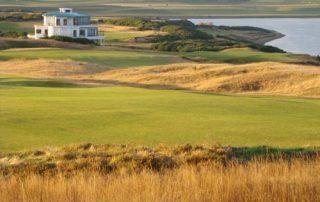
{"x": 265, "y": 78}
{"x": 259, "y": 78}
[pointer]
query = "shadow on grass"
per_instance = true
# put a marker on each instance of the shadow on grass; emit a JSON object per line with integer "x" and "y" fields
{"x": 265, "y": 152}
{"x": 106, "y": 158}
{"x": 12, "y": 82}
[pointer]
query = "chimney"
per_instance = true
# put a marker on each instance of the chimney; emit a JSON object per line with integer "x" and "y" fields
{"x": 66, "y": 10}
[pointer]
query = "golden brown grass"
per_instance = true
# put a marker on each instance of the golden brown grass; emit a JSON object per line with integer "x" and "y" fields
{"x": 165, "y": 173}
{"x": 267, "y": 78}
{"x": 259, "y": 78}
{"x": 255, "y": 181}
{"x": 42, "y": 68}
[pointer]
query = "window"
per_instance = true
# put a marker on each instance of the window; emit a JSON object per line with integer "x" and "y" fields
{"x": 39, "y": 31}
{"x": 92, "y": 32}
{"x": 58, "y": 22}
{"x": 75, "y": 21}
{"x": 65, "y": 21}
{"x": 67, "y": 11}
{"x": 81, "y": 20}
{"x": 74, "y": 33}
{"x": 82, "y": 33}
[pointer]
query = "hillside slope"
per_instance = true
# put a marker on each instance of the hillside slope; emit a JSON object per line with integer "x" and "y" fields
{"x": 268, "y": 78}
{"x": 171, "y": 1}
{"x": 265, "y": 78}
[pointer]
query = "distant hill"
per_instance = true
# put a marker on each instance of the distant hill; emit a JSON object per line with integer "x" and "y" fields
{"x": 159, "y": 1}
{"x": 178, "y": 8}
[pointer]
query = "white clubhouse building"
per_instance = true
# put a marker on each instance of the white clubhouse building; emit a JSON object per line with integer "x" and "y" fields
{"x": 67, "y": 23}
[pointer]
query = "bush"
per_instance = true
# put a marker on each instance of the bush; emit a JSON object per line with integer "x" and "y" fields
{"x": 244, "y": 28}
{"x": 13, "y": 34}
{"x": 73, "y": 40}
{"x": 195, "y": 45}
{"x": 141, "y": 23}
{"x": 146, "y": 24}
{"x": 185, "y": 32}
{"x": 19, "y": 15}
{"x": 267, "y": 49}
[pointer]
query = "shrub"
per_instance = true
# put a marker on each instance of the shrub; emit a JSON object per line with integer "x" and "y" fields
{"x": 185, "y": 32}
{"x": 146, "y": 24}
{"x": 271, "y": 49}
{"x": 141, "y": 23}
{"x": 74, "y": 40}
{"x": 244, "y": 28}
{"x": 191, "y": 45}
{"x": 19, "y": 15}
{"x": 13, "y": 34}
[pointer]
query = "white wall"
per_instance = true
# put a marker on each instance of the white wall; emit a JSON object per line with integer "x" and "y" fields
{"x": 62, "y": 30}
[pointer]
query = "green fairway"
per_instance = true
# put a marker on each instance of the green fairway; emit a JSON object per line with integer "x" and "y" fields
{"x": 122, "y": 59}
{"x": 7, "y": 26}
{"x": 33, "y": 117}
{"x": 111, "y": 59}
{"x": 242, "y": 56}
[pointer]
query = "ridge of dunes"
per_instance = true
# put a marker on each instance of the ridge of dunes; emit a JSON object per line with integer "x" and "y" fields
{"x": 269, "y": 78}
{"x": 266, "y": 78}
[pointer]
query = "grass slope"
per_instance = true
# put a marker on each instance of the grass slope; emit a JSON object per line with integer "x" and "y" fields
{"x": 7, "y": 26}
{"x": 242, "y": 55}
{"x": 34, "y": 117}
{"x": 120, "y": 59}
{"x": 111, "y": 59}
{"x": 266, "y": 78}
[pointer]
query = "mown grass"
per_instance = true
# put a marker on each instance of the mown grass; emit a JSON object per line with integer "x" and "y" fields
{"x": 6, "y": 82}
{"x": 241, "y": 55}
{"x": 7, "y": 26}
{"x": 111, "y": 59}
{"x": 124, "y": 36}
{"x": 33, "y": 117}
{"x": 121, "y": 59}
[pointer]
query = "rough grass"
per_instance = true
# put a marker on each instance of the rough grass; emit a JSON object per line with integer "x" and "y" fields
{"x": 297, "y": 181}
{"x": 42, "y": 68}
{"x": 267, "y": 78}
{"x": 256, "y": 78}
{"x": 35, "y": 117}
{"x": 182, "y": 173}
{"x": 105, "y": 159}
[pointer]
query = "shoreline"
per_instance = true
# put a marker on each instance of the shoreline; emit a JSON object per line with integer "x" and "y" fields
{"x": 209, "y": 17}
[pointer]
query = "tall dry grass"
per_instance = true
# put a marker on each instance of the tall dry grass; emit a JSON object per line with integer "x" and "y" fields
{"x": 266, "y": 78}
{"x": 281, "y": 180}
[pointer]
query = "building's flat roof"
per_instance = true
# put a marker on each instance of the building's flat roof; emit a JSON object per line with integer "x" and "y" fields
{"x": 60, "y": 14}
